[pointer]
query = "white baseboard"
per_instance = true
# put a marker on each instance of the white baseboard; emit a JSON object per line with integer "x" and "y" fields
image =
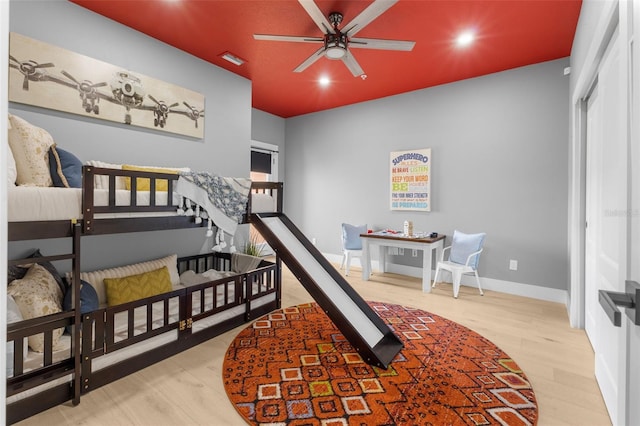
{"x": 509, "y": 287}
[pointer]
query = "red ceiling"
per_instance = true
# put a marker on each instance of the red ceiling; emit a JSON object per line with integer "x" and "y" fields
{"x": 509, "y": 34}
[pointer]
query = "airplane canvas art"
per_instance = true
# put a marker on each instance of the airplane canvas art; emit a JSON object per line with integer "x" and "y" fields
{"x": 51, "y": 77}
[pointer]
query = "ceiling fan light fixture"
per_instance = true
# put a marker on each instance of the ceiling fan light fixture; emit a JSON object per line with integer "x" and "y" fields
{"x": 336, "y": 52}
{"x": 335, "y": 46}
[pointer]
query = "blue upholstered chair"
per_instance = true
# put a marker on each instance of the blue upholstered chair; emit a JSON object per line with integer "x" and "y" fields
{"x": 464, "y": 255}
{"x": 351, "y": 244}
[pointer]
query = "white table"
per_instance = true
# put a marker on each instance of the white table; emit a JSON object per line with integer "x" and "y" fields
{"x": 427, "y": 245}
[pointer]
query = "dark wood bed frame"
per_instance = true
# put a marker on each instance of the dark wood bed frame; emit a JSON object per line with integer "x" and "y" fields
{"x": 92, "y": 333}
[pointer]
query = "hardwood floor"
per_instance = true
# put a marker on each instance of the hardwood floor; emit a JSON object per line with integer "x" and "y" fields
{"x": 187, "y": 388}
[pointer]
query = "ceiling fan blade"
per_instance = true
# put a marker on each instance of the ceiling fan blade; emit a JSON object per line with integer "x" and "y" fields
{"x": 288, "y": 38}
{"x": 310, "y": 60}
{"x": 352, "y": 64}
{"x": 377, "y": 8}
{"x": 375, "y": 43}
{"x": 317, "y": 16}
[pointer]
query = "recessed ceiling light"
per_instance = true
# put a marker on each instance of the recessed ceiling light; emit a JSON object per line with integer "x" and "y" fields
{"x": 465, "y": 38}
{"x": 232, "y": 58}
{"x": 324, "y": 81}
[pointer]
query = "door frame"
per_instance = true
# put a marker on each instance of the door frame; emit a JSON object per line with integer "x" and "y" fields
{"x": 609, "y": 20}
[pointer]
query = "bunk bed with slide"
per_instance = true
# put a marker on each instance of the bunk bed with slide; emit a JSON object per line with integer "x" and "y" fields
{"x": 68, "y": 335}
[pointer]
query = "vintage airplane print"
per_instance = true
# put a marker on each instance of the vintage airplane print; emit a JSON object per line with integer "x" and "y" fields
{"x": 51, "y": 77}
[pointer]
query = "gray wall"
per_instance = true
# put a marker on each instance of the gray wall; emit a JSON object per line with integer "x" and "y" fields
{"x": 499, "y": 149}
{"x": 224, "y": 149}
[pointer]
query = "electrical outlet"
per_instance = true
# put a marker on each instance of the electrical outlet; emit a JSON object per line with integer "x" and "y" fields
{"x": 513, "y": 265}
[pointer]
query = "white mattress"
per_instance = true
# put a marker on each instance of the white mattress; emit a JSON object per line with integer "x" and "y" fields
{"x": 34, "y": 203}
{"x": 31, "y": 203}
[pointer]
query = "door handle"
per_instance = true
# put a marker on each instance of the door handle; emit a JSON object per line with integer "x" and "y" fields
{"x": 611, "y": 300}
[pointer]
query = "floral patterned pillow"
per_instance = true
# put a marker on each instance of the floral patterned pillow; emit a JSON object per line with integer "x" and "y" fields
{"x": 37, "y": 294}
{"x": 30, "y": 148}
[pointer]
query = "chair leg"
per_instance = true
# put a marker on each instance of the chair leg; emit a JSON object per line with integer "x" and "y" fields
{"x": 435, "y": 276}
{"x": 343, "y": 259}
{"x": 348, "y": 264}
{"x": 478, "y": 281}
{"x": 457, "y": 276}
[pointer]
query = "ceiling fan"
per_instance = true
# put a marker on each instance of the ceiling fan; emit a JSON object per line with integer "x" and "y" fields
{"x": 337, "y": 41}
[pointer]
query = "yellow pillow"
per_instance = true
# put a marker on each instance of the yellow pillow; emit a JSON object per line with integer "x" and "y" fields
{"x": 136, "y": 287}
{"x": 144, "y": 184}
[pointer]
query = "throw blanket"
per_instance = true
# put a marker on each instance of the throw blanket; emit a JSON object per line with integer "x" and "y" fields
{"x": 224, "y": 199}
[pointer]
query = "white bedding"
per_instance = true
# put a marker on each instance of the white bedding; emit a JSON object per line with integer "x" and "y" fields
{"x": 263, "y": 203}
{"x": 34, "y": 203}
{"x": 30, "y": 203}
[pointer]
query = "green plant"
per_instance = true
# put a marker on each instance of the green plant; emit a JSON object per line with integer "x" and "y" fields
{"x": 253, "y": 247}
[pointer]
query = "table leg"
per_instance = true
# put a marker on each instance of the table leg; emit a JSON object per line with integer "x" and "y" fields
{"x": 382, "y": 258}
{"x": 366, "y": 260}
{"x": 427, "y": 253}
{"x": 439, "y": 246}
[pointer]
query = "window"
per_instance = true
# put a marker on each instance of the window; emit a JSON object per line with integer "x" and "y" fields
{"x": 264, "y": 162}
{"x": 264, "y": 168}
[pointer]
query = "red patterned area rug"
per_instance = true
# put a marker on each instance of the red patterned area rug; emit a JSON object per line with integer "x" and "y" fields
{"x": 294, "y": 367}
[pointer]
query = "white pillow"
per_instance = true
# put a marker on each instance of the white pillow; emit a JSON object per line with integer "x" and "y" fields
{"x": 189, "y": 277}
{"x": 96, "y": 278}
{"x": 30, "y": 148}
{"x": 13, "y": 311}
{"x": 102, "y": 181}
{"x": 14, "y": 315}
{"x": 12, "y": 171}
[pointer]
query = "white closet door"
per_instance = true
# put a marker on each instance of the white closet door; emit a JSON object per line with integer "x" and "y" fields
{"x": 606, "y": 233}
